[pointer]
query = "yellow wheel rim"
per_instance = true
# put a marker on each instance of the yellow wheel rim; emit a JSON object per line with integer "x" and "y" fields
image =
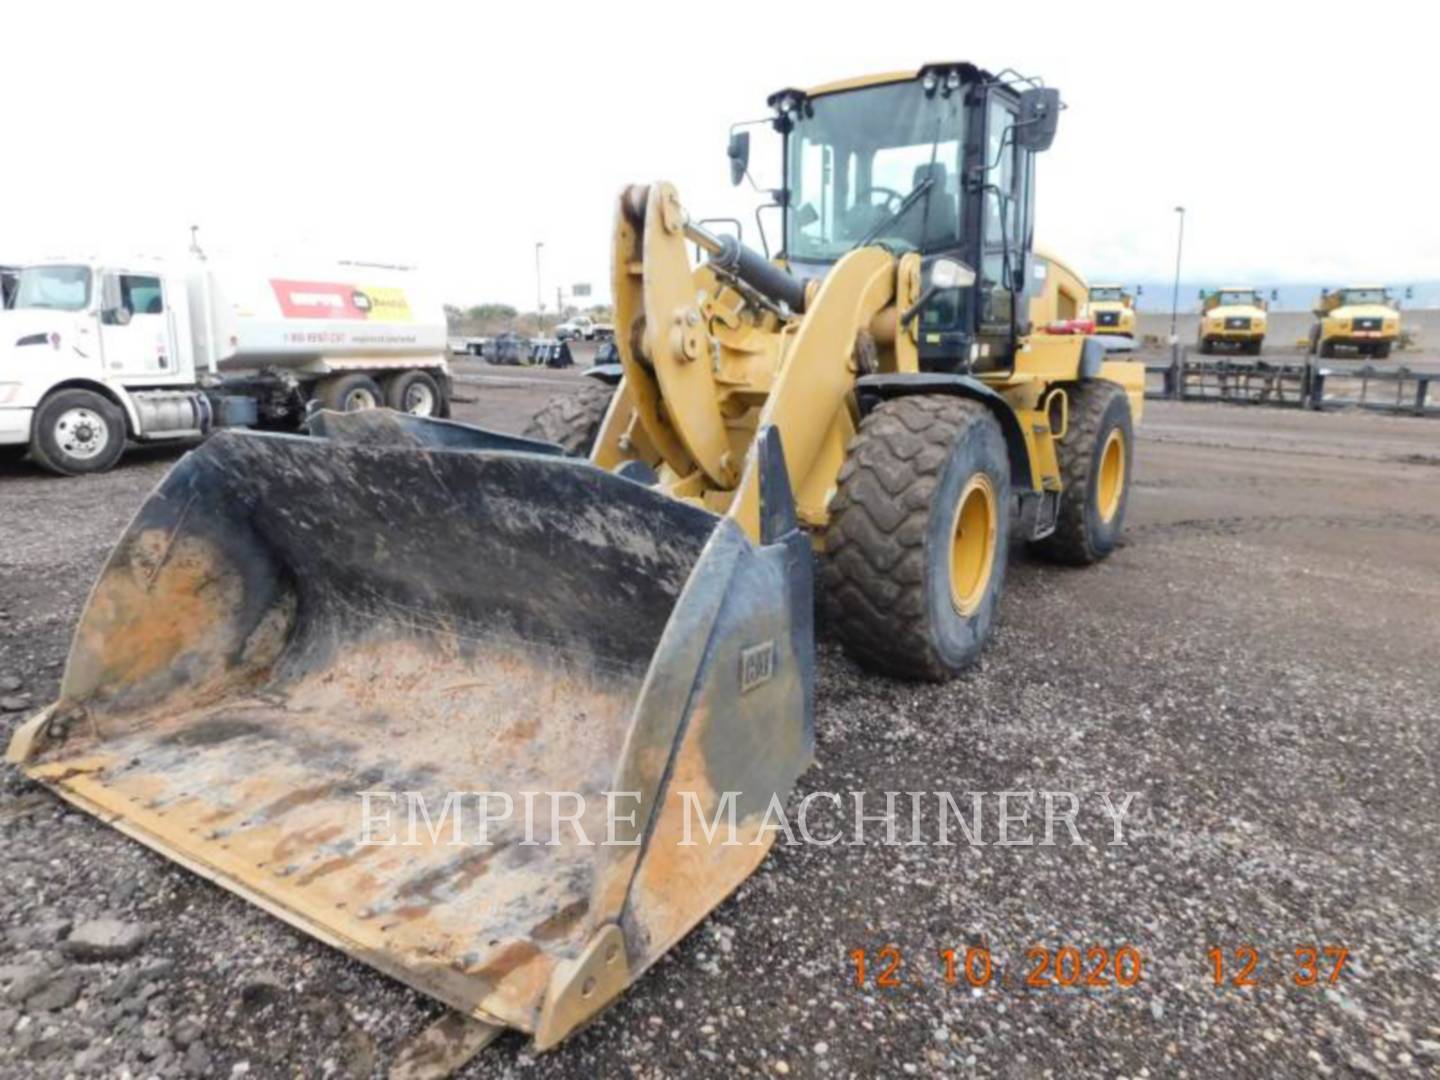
{"x": 972, "y": 545}
{"x": 1110, "y": 485}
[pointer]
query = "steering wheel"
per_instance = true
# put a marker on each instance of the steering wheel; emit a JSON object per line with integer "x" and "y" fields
{"x": 893, "y": 198}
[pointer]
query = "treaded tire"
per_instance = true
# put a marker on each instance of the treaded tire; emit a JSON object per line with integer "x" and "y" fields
{"x": 46, "y": 449}
{"x": 572, "y": 421}
{"x": 1082, "y": 536}
{"x": 885, "y": 575}
{"x": 397, "y": 388}
{"x": 338, "y": 393}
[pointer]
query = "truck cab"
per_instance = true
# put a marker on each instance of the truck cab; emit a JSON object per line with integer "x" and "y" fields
{"x": 82, "y": 339}
{"x": 1112, "y": 309}
{"x": 95, "y": 353}
{"x": 1233, "y": 316}
{"x": 1365, "y": 318}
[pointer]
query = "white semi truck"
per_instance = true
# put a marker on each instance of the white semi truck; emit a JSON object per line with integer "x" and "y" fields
{"x": 97, "y": 353}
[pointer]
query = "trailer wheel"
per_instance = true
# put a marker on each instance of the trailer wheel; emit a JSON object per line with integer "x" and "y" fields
{"x": 1095, "y": 458}
{"x": 572, "y": 421}
{"x": 349, "y": 393}
{"x": 78, "y": 432}
{"x": 414, "y": 392}
{"x": 915, "y": 549}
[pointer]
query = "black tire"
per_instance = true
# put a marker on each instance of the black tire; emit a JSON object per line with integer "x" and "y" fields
{"x": 888, "y": 586}
{"x": 1206, "y": 347}
{"x": 1327, "y": 349}
{"x": 1382, "y": 350}
{"x": 1086, "y": 531}
{"x": 349, "y": 393}
{"x": 1257, "y": 347}
{"x": 77, "y": 432}
{"x": 414, "y": 392}
{"x": 572, "y": 421}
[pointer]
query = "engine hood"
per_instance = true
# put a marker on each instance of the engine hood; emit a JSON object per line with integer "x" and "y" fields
{"x": 1235, "y": 311}
{"x": 26, "y": 322}
{"x": 1363, "y": 311}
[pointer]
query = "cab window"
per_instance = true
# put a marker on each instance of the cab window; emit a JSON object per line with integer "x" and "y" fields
{"x": 141, "y": 295}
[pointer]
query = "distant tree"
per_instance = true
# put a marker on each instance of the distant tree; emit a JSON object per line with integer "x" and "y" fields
{"x": 490, "y": 312}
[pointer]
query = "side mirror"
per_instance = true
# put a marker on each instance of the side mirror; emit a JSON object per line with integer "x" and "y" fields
{"x": 739, "y": 153}
{"x": 1202, "y": 294}
{"x": 113, "y": 311}
{"x": 1274, "y": 294}
{"x": 807, "y": 215}
{"x": 1139, "y": 290}
{"x": 1039, "y": 117}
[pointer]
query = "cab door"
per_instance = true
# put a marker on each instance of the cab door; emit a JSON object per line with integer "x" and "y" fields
{"x": 134, "y": 327}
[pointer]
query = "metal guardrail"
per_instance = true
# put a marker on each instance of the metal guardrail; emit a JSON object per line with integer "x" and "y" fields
{"x": 1302, "y": 383}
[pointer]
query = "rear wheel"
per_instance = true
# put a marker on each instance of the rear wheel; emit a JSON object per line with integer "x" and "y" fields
{"x": 349, "y": 393}
{"x": 1095, "y": 458}
{"x": 915, "y": 550}
{"x": 77, "y": 432}
{"x": 572, "y": 421}
{"x": 414, "y": 392}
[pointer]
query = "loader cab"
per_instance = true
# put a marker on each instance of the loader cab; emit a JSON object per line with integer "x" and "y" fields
{"x": 939, "y": 162}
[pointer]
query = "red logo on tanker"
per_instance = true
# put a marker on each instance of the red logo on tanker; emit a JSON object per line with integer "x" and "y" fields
{"x": 321, "y": 300}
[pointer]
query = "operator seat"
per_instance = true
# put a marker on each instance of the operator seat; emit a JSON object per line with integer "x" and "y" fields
{"x": 940, "y": 225}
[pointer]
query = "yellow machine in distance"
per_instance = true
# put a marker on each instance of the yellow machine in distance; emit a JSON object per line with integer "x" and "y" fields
{"x": 1113, "y": 309}
{"x": 1232, "y": 316}
{"x": 1365, "y": 318}
{"x": 407, "y": 605}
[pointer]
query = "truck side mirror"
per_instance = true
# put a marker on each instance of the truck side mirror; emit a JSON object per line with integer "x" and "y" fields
{"x": 1202, "y": 294}
{"x": 113, "y": 311}
{"x": 1039, "y": 118}
{"x": 739, "y": 153}
{"x": 1139, "y": 290}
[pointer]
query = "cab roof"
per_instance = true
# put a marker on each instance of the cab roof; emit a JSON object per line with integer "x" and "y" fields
{"x": 968, "y": 71}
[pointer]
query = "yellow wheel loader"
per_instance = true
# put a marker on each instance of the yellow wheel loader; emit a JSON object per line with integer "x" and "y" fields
{"x": 301, "y": 641}
{"x": 1365, "y": 318}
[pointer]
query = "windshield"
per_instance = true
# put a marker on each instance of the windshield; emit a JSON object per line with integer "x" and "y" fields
{"x": 1367, "y": 296}
{"x": 1238, "y": 298}
{"x": 64, "y": 287}
{"x": 1106, "y": 292}
{"x": 853, "y": 164}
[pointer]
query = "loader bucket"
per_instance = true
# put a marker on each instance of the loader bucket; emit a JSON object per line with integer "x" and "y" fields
{"x": 300, "y": 643}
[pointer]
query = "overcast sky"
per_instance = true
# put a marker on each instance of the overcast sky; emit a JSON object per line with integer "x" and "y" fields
{"x": 455, "y": 136}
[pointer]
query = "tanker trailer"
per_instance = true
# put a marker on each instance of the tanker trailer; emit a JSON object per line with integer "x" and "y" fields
{"x": 97, "y": 353}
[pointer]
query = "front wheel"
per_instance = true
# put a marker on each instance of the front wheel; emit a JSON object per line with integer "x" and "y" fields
{"x": 1095, "y": 458}
{"x": 78, "y": 432}
{"x": 915, "y": 548}
{"x": 572, "y": 421}
{"x": 1382, "y": 350}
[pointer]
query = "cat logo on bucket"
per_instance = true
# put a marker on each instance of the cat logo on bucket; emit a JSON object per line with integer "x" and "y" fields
{"x": 757, "y": 665}
{"x": 334, "y": 300}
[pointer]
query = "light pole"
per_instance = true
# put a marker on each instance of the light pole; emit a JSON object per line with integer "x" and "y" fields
{"x": 1175, "y": 296}
{"x": 539, "y": 295}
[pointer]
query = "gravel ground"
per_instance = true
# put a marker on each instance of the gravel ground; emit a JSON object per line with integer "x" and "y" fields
{"x": 1257, "y": 662}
